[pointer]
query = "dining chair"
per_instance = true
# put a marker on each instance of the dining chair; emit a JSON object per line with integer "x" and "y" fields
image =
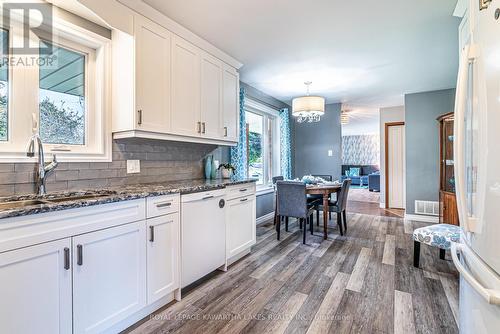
{"x": 339, "y": 206}
{"x": 328, "y": 178}
{"x": 292, "y": 202}
{"x": 276, "y": 179}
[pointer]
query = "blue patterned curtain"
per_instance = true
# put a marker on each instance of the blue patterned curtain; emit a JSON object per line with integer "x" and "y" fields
{"x": 285, "y": 144}
{"x": 239, "y": 152}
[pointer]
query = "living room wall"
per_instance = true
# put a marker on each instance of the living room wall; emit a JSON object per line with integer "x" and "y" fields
{"x": 422, "y": 144}
{"x": 361, "y": 150}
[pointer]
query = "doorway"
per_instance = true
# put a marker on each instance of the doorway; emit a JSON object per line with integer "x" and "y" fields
{"x": 395, "y": 192}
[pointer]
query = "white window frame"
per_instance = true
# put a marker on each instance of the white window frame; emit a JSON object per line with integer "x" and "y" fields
{"x": 24, "y": 97}
{"x": 268, "y": 113}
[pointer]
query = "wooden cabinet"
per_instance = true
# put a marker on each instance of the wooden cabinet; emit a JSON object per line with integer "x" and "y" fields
{"x": 448, "y": 204}
{"x": 152, "y": 76}
{"x": 163, "y": 248}
{"x": 165, "y": 87}
{"x": 185, "y": 88}
{"x": 211, "y": 96}
{"x": 240, "y": 224}
{"x": 109, "y": 276}
{"x": 231, "y": 103}
{"x": 35, "y": 289}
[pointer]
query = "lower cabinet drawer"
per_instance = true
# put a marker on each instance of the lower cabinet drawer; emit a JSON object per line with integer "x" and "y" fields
{"x": 161, "y": 205}
{"x": 240, "y": 190}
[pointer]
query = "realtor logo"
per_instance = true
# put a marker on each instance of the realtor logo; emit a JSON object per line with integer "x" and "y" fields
{"x": 34, "y": 18}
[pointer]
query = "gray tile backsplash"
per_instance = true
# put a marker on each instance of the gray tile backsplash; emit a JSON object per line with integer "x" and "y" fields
{"x": 160, "y": 161}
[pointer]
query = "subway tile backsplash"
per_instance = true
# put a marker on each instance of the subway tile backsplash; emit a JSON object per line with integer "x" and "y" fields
{"x": 160, "y": 161}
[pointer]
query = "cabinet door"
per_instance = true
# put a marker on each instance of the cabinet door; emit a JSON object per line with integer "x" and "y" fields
{"x": 163, "y": 249}
{"x": 231, "y": 103}
{"x": 152, "y": 76}
{"x": 109, "y": 276}
{"x": 241, "y": 225}
{"x": 185, "y": 88}
{"x": 211, "y": 96}
{"x": 35, "y": 289}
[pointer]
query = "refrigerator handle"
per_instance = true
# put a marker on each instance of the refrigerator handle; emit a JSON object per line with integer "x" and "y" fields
{"x": 491, "y": 296}
{"x": 468, "y": 223}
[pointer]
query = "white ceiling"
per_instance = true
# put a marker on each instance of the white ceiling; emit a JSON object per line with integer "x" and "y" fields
{"x": 362, "y": 121}
{"x": 366, "y": 53}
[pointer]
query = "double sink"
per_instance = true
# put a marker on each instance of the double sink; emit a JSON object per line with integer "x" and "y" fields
{"x": 51, "y": 199}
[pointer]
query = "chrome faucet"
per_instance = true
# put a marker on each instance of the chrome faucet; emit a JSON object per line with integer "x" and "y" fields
{"x": 43, "y": 171}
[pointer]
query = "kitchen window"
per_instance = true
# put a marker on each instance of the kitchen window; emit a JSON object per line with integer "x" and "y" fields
{"x": 63, "y": 95}
{"x": 262, "y": 142}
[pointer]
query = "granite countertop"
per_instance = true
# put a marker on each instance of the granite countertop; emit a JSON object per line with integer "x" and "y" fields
{"x": 109, "y": 195}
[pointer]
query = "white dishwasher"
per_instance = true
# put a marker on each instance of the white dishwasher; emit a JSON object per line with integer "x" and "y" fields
{"x": 203, "y": 234}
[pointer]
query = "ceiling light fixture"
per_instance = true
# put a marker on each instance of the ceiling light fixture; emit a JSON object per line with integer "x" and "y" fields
{"x": 344, "y": 116}
{"x": 308, "y": 108}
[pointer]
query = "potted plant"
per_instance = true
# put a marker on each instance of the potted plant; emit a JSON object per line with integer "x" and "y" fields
{"x": 227, "y": 170}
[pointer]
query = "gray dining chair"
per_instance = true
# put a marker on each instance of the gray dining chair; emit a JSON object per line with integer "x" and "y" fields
{"x": 276, "y": 179}
{"x": 339, "y": 206}
{"x": 292, "y": 202}
{"x": 325, "y": 177}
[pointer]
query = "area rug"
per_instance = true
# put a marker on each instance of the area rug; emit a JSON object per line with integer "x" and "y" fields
{"x": 363, "y": 195}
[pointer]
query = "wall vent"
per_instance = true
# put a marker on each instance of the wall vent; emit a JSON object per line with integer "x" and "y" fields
{"x": 429, "y": 208}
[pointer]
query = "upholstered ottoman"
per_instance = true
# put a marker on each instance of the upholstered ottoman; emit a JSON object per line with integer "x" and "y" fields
{"x": 438, "y": 235}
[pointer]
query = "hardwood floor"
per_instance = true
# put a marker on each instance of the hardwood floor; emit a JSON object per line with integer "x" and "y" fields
{"x": 363, "y": 282}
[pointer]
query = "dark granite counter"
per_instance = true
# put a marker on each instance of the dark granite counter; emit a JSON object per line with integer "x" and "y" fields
{"x": 58, "y": 201}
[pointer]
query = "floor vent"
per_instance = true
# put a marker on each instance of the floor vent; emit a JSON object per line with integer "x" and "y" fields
{"x": 427, "y": 208}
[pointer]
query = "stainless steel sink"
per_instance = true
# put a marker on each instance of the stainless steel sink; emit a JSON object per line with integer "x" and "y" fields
{"x": 20, "y": 204}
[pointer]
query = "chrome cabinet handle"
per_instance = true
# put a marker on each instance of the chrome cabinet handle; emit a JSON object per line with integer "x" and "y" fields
{"x": 207, "y": 197}
{"x": 152, "y": 234}
{"x": 66, "y": 258}
{"x": 203, "y": 127}
{"x": 198, "y": 127}
{"x": 242, "y": 190}
{"x": 243, "y": 199}
{"x": 225, "y": 131}
{"x": 139, "y": 121}
{"x": 79, "y": 255}
{"x": 163, "y": 205}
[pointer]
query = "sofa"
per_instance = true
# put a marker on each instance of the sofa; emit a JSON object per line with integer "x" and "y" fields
{"x": 374, "y": 182}
{"x": 364, "y": 172}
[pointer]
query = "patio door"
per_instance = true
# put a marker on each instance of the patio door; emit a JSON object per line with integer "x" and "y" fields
{"x": 395, "y": 165}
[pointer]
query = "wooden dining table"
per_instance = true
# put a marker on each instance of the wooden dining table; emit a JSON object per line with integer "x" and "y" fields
{"x": 325, "y": 189}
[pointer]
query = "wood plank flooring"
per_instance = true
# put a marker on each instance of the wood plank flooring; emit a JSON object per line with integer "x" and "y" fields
{"x": 363, "y": 282}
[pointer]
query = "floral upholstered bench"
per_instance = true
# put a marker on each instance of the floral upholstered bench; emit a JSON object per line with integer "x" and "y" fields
{"x": 438, "y": 235}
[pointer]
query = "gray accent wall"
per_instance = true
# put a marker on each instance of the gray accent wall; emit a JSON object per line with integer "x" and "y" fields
{"x": 312, "y": 142}
{"x": 422, "y": 144}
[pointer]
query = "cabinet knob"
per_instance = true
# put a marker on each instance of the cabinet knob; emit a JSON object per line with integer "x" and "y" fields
{"x": 198, "y": 127}
{"x": 203, "y": 127}
{"x": 152, "y": 234}
{"x": 225, "y": 131}
{"x": 66, "y": 258}
{"x": 79, "y": 255}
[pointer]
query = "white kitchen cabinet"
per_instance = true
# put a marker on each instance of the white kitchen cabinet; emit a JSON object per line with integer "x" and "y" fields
{"x": 230, "y": 103}
{"x": 153, "y": 52}
{"x": 211, "y": 96}
{"x": 240, "y": 224}
{"x": 185, "y": 88}
{"x": 163, "y": 248}
{"x": 109, "y": 276}
{"x": 35, "y": 289}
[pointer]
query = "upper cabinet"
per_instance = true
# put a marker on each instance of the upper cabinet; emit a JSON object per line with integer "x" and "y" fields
{"x": 153, "y": 77}
{"x": 175, "y": 90}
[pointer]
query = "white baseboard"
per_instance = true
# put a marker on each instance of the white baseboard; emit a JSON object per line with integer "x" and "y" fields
{"x": 265, "y": 218}
{"x": 422, "y": 218}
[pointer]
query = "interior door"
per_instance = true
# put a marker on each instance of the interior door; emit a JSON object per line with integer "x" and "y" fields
{"x": 211, "y": 96}
{"x": 231, "y": 103}
{"x": 152, "y": 76}
{"x": 109, "y": 276}
{"x": 186, "y": 119}
{"x": 163, "y": 249}
{"x": 35, "y": 289}
{"x": 395, "y": 165}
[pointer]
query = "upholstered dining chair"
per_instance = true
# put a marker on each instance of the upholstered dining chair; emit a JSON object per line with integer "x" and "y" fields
{"x": 276, "y": 179}
{"x": 325, "y": 177}
{"x": 292, "y": 202}
{"x": 339, "y": 206}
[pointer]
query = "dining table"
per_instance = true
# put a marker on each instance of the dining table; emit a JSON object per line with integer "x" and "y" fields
{"x": 324, "y": 189}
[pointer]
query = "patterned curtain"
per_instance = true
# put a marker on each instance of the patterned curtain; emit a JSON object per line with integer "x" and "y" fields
{"x": 285, "y": 144}
{"x": 239, "y": 152}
